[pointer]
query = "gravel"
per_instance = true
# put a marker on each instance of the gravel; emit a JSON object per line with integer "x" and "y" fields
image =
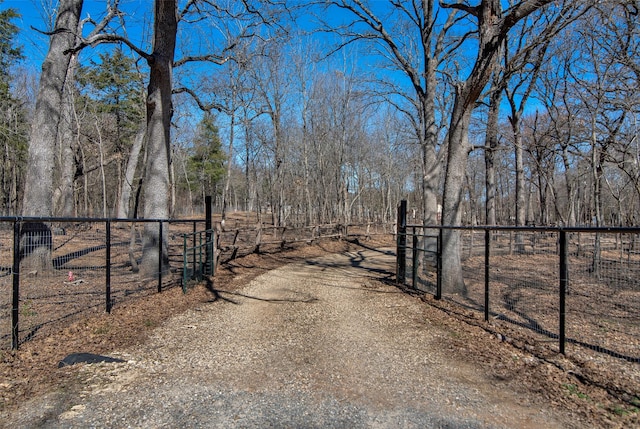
{"x": 323, "y": 343}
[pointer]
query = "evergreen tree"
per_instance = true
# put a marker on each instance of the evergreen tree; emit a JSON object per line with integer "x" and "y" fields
{"x": 115, "y": 85}
{"x": 9, "y": 53}
{"x": 13, "y": 123}
{"x": 112, "y": 93}
{"x": 206, "y": 164}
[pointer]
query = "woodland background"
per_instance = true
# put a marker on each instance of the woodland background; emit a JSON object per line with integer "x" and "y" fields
{"x": 495, "y": 112}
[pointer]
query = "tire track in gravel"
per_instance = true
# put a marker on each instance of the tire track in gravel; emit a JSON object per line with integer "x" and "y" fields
{"x": 317, "y": 344}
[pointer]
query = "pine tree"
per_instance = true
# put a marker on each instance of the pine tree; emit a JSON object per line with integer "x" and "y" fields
{"x": 206, "y": 164}
{"x": 115, "y": 85}
{"x": 111, "y": 89}
{"x": 13, "y": 128}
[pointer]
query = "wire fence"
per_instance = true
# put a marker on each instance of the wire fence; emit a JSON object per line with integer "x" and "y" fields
{"x": 569, "y": 290}
{"x": 91, "y": 265}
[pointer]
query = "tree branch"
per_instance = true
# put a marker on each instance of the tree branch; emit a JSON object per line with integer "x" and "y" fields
{"x": 108, "y": 38}
{"x": 471, "y": 10}
{"x": 201, "y": 104}
{"x": 520, "y": 11}
{"x": 211, "y": 58}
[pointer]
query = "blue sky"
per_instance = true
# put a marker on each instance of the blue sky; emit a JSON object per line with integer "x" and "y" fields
{"x": 34, "y": 12}
{"x": 34, "y": 44}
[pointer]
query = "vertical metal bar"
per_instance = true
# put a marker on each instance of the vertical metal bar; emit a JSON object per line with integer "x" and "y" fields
{"x": 213, "y": 252}
{"x": 414, "y": 256}
{"x": 210, "y": 249}
{"x": 160, "y": 240}
{"x": 185, "y": 262}
{"x": 200, "y": 270}
{"x": 439, "y": 266}
{"x": 193, "y": 271}
{"x": 401, "y": 261}
{"x": 208, "y": 226}
{"x": 564, "y": 279}
{"x": 15, "y": 340}
{"x": 487, "y": 251}
{"x": 108, "y": 267}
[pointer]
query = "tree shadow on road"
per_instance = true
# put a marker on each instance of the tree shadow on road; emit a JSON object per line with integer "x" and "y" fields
{"x": 217, "y": 295}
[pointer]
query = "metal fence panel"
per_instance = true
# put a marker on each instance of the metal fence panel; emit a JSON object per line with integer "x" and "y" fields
{"x": 587, "y": 301}
{"x": 603, "y": 300}
{"x": 94, "y": 264}
{"x": 6, "y": 281}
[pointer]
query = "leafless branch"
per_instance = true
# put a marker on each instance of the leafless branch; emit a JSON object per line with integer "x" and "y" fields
{"x": 472, "y": 10}
{"x": 211, "y": 58}
{"x": 205, "y": 107}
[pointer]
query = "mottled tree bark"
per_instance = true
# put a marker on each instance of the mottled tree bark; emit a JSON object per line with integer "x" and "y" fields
{"x": 492, "y": 29}
{"x": 130, "y": 173}
{"x": 491, "y": 145}
{"x": 159, "y": 110}
{"x": 38, "y": 192}
{"x": 64, "y": 201}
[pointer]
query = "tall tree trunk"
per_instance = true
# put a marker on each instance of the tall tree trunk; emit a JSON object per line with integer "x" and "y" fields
{"x": 279, "y": 173}
{"x": 429, "y": 141}
{"x": 159, "y": 110}
{"x": 64, "y": 194}
{"x": 44, "y": 131}
{"x": 130, "y": 173}
{"x": 597, "y": 160}
{"x": 491, "y": 145}
{"x": 492, "y": 30}
{"x": 452, "y": 278}
{"x": 227, "y": 180}
{"x": 172, "y": 181}
{"x": 571, "y": 212}
{"x": 85, "y": 184}
{"x": 103, "y": 178}
{"x": 520, "y": 188}
{"x": 36, "y": 241}
{"x": 4, "y": 173}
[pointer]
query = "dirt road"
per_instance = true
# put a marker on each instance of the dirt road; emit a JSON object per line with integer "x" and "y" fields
{"x": 322, "y": 343}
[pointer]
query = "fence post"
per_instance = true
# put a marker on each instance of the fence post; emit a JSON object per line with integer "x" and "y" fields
{"x": 108, "y": 266}
{"x": 208, "y": 226}
{"x": 185, "y": 262}
{"x": 194, "y": 241}
{"x": 401, "y": 261}
{"x": 212, "y": 250}
{"x": 200, "y": 265}
{"x": 439, "y": 265}
{"x": 15, "y": 310}
{"x": 414, "y": 259}
{"x": 564, "y": 280}
{"x": 487, "y": 250}
{"x": 160, "y": 259}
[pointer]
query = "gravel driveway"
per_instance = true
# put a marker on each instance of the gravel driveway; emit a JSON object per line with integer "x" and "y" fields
{"x": 323, "y": 343}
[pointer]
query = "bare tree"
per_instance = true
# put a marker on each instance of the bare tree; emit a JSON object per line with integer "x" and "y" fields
{"x": 128, "y": 182}
{"x": 554, "y": 93}
{"x": 44, "y": 134}
{"x": 411, "y": 39}
{"x": 159, "y": 110}
{"x": 36, "y": 237}
{"x": 272, "y": 84}
{"x": 491, "y": 146}
{"x": 492, "y": 27}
